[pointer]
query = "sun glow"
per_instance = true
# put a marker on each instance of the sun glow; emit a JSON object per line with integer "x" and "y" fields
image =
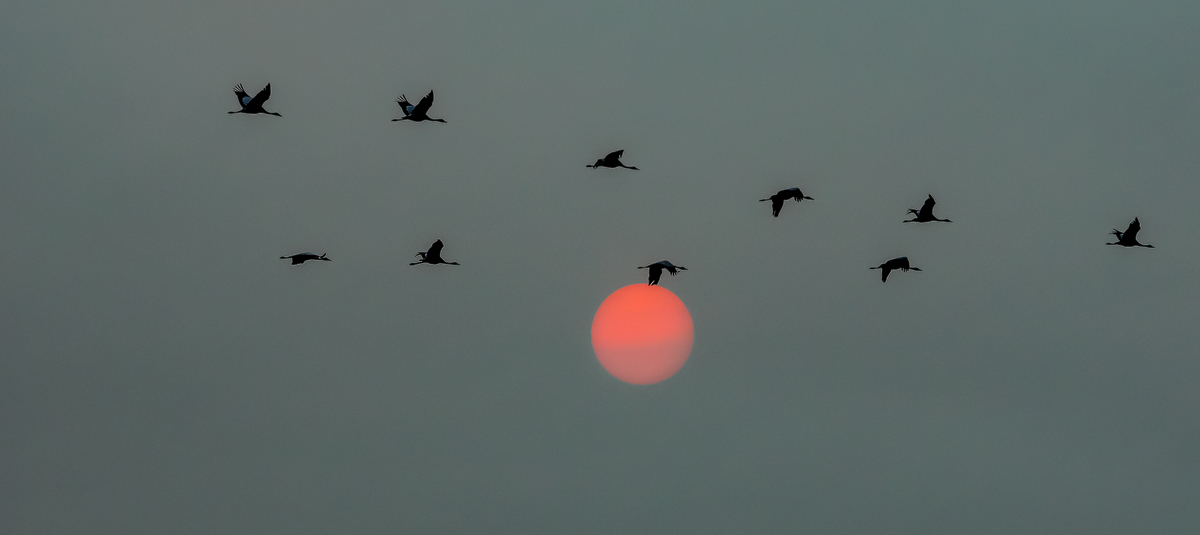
{"x": 642, "y": 334}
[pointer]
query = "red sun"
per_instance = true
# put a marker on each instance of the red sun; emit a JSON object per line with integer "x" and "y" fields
{"x": 642, "y": 334}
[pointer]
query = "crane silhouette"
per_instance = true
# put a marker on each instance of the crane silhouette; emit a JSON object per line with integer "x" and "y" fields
{"x": 1129, "y": 237}
{"x": 612, "y": 159}
{"x": 657, "y": 268}
{"x": 925, "y": 214}
{"x": 300, "y": 258}
{"x": 432, "y": 256}
{"x": 900, "y": 263}
{"x": 417, "y": 113}
{"x": 253, "y": 105}
{"x": 783, "y": 195}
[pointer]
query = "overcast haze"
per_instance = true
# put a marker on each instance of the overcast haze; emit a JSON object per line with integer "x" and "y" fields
{"x": 162, "y": 371}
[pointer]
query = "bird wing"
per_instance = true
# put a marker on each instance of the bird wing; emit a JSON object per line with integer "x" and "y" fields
{"x": 405, "y": 105}
{"x": 613, "y": 158}
{"x": 901, "y": 263}
{"x": 886, "y": 270}
{"x": 260, "y": 98}
{"x": 423, "y": 106}
{"x": 776, "y": 204}
{"x": 655, "y": 273}
{"x": 243, "y": 98}
{"x": 435, "y": 250}
{"x": 1131, "y": 232}
{"x": 927, "y": 208}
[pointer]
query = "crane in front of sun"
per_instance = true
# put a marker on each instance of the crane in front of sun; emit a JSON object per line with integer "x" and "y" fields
{"x": 657, "y": 268}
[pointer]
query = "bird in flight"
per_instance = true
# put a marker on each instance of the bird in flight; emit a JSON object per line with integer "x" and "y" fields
{"x": 612, "y": 159}
{"x": 432, "y": 256}
{"x": 1129, "y": 237}
{"x": 900, "y": 263}
{"x": 925, "y": 214}
{"x": 783, "y": 195}
{"x": 253, "y": 105}
{"x": 300, "y": 258}
{"x": 417, "y": 113}
{"x": 657, "y": 268}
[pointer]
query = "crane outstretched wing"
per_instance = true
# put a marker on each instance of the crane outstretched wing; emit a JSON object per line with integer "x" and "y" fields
{"x": 435, "y": 249}
{"x": 423, "y": 106}
{"x": 655, "y": 273}
{"x": 776, "y": 204}
{"x": 405, "y": 105}
{"x": 243, "y": 98}
{"x": 260, "y": 98}
{"x": 1131, "y": 233}
{"x": 927, "y": 208}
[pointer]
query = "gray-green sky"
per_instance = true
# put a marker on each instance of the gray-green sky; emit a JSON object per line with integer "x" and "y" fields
{"x": 161, "y": 371}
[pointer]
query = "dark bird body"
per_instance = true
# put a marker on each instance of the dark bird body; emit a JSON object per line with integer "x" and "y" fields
{"x": 417, "y": 113}
{"x": 900, "y": 263}
{"x": 612, "y": 159}
{"x": 300, "y": 258}
{"x": 657, "y": 268}
{"x": 1129, "y": 237}
{"x": 432, "y": 256}
{"x": 783, "y": 195}
{"x": 253, "y": 105}
{"x": 925, "y": 214}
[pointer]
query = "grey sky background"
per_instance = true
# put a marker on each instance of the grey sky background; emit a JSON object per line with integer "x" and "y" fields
{"x": 163, "y": 372}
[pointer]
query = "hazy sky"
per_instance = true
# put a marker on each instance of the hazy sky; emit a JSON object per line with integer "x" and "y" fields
{"x": 162, "y": 371}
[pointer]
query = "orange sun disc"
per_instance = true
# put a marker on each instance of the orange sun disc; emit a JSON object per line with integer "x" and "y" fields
{"x": 642, "y": 334}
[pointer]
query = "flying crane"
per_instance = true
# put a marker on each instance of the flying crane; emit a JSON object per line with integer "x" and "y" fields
{"x": 612, "y": 159}
{"x": 1129, "y": 237}
{"x": 900, "y": 263}
{"x": 657, "y": 268}
{"x": 432, "y": 256}
{"x": 300, "y": 258}
{"x": 925, "y": 214}
{"x": 253, "y": 105}
{"x": 417, "y": 113}
{"x": 783, "y": 195}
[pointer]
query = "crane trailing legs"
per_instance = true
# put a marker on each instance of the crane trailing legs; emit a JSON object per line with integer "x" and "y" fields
{"x": 612, "y": 159}
{"x": 900, "y": 263}
{"x": 417, "y": 113}
{"x": 300, "y": 258}
{"x": 783, "y": 195}
{"x": 432, "y": 256}
{"x": 657, "y": 268}
{"x": 1129, "y": 237}
{"x": 925, "y": 214}
{"x": 253, "y": 105}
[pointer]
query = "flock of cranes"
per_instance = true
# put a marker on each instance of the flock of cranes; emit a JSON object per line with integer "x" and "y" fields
{"x": 420, "y": 112}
